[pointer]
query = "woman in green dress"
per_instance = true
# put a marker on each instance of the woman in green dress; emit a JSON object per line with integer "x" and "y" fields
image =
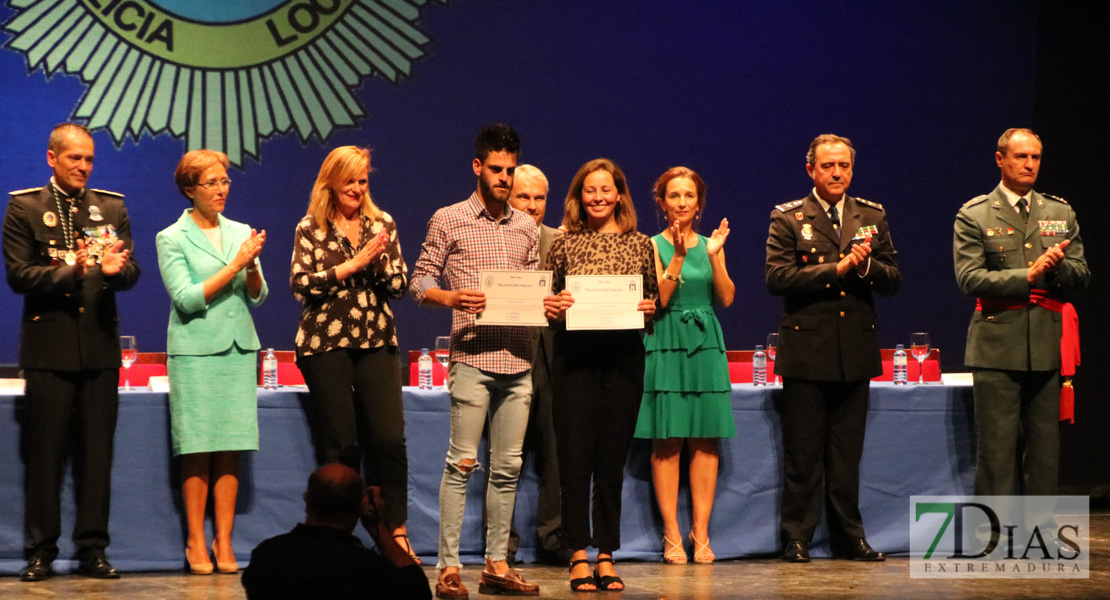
{"x": 686, "y": 384}
{"x": 209, "y": 266}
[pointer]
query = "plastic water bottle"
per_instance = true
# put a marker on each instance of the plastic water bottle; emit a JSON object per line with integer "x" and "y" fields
{"x": 269, "y": 370}
{"x": 759, "y": 367}
{"x": 424, "y": 369}
{"x": 901, "y": 374}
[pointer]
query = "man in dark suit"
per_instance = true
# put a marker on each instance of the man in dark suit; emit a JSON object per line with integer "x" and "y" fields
{"x": 826, "y": 253}
{"x": 529, "y": 194}
{"x": 67, "y": 249}
{"x": 321, "y": 559}
{"x": 1019, "y": 253}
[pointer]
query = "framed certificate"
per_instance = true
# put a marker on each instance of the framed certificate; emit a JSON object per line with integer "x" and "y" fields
{"x": 514, "y": 297}
{"x": 605, "y": 302}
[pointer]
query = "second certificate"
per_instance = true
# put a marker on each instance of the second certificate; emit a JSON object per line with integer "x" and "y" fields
{"x": 514, "y": 297}
{"x": 605, "y": 301}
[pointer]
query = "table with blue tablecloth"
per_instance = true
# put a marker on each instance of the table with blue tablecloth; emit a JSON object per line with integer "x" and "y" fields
{"x": 920, "y": 440}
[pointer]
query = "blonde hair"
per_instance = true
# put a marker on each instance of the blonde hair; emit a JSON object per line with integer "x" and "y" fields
{"x": 195, "y": 162}
{"x": 574, "y": 213}
{"x": 341, "y": 165}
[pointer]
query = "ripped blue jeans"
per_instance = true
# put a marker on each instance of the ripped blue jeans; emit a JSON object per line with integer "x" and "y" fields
{"x": 477, "y": 397}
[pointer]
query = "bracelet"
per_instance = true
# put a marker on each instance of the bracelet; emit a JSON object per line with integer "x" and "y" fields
{"x": 677, "y": 278}
{"x": 253, "y": 267}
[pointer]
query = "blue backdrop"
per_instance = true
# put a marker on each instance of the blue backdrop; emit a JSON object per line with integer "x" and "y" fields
{"x": 734, "y": 90}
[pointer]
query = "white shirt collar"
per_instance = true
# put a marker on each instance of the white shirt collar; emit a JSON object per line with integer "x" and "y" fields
{"x": 825, "y": 205}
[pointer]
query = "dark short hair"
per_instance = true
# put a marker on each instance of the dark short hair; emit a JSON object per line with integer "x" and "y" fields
{"x": 334, "y": 490}
{"x": 498, "y": 137}
{"x": 1004, "y": 139}
{"x": 828, "y": 138}
{"x": 61, "y": 131}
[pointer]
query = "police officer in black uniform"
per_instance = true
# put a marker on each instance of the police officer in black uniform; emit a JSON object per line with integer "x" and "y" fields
{"x": 67, "y": 249}
{"x": 826, "y": 254}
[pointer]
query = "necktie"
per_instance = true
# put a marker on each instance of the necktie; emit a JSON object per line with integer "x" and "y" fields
{"x": 1022, "y": 205}
{"x": 835, "y": 218}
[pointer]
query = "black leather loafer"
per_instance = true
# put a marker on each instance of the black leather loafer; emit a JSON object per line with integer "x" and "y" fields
{"x": 37, "y": 569}
{"x": 96, "y": 565}
{"x": 859, "y": 549}
{"x": 796, "y": 551}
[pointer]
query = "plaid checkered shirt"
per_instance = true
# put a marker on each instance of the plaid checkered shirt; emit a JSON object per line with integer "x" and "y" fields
{"x": 462, "y": 240}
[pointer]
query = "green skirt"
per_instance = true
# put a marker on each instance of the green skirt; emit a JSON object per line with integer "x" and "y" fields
{"x": 687, "y": 392}
{"x": 213, "y": 402}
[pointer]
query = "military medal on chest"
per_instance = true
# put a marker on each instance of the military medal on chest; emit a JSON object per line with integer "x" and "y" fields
{"x": 807, "y": 231}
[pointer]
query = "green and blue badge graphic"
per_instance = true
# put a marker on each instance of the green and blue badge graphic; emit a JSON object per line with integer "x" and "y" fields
{"x": 223, "y": 75}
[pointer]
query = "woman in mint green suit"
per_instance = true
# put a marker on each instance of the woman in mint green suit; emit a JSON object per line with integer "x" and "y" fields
{"x": 210, "y": 268}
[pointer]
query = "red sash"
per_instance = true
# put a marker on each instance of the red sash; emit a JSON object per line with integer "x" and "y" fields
{"x": 1069, "y": 340}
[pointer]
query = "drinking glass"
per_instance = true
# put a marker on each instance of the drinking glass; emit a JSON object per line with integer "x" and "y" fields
{"x": 129, "y": 351}
{"x": 772, "y": 347}
{"x": 443, "y": 354}
{"x": 919, "y": 349}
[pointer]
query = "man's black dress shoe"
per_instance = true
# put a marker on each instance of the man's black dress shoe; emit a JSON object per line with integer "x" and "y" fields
{"x": 37, "y": 569}
{"x": 796, "y": 551}
{"x": 859, "y": 549}
{"x": 96, "y": 565}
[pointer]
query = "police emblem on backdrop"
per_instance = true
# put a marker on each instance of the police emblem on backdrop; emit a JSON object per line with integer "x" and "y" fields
{"x": 154, "y": 63}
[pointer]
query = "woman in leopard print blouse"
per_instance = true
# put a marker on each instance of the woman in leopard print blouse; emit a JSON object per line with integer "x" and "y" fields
{"x": 597, "y": 376}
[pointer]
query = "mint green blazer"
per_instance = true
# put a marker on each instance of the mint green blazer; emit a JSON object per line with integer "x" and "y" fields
{"x": 186, "y": 258}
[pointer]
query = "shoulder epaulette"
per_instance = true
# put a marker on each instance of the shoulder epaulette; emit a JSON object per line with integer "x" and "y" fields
{"x": 26, "y": 191}
{"x": 1056, "y": 198}
{"x": 869, "y": 203}
{"x": 106, "y": 192}
{"x": 789, "y": 205}
{"x": 976, "y": 200}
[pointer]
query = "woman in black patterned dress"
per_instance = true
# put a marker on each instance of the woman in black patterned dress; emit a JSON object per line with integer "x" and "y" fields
{"x": 346, "y": 265}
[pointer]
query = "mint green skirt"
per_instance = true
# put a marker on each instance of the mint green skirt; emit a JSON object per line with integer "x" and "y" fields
{"x": 213, "y": 402}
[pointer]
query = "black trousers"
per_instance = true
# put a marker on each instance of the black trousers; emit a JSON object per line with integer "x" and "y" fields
{"x": 64, "y": 410}
{"x": 822, "y": 436}
{"x": 1017, "y": 417}
{"x": 598, "y": 380}
{"x": 540, "y": 441}
{"x": 357, "y": 416}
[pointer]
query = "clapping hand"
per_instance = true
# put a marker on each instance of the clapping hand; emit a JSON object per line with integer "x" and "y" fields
{"x": 1047, "y": 262}
{"x": 250, "y": 249}
{"x": 717, "y": 239}
{"x": 678, "y": 238}
{"x": 370, "y": 252}
{"x": 856, "y": 258}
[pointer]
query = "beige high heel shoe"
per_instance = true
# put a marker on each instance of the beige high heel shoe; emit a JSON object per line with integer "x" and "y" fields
{"x": 703, "y": 554}
{"x": 230, "y": 568}
{"x": 673, "y": 552}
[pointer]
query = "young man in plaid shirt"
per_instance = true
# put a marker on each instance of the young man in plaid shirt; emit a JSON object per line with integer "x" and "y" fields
{"x": 490, "y": 370}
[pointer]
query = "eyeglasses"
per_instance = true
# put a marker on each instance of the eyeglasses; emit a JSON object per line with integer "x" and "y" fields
{"x": 213, "y": 184}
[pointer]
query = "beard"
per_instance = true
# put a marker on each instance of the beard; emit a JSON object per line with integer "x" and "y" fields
{"x": 490, "y": 194}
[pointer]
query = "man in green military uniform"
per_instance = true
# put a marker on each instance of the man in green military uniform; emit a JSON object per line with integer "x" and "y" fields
{"x": 1019, "y": 253}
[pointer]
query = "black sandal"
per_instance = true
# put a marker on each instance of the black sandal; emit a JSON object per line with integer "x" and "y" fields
{"x": 408, "y": 547}
{"x": 576, "y": 585}
{"x": 603, "y": 583}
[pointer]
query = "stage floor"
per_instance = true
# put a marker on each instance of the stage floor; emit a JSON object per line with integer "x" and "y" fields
{"x": 749, "y": 578}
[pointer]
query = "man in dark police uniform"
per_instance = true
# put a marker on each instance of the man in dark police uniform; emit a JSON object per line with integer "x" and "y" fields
{"x": 67, "y": 249}
{"x": 1019, "y": 253}
{"x": 826, "y": 253}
